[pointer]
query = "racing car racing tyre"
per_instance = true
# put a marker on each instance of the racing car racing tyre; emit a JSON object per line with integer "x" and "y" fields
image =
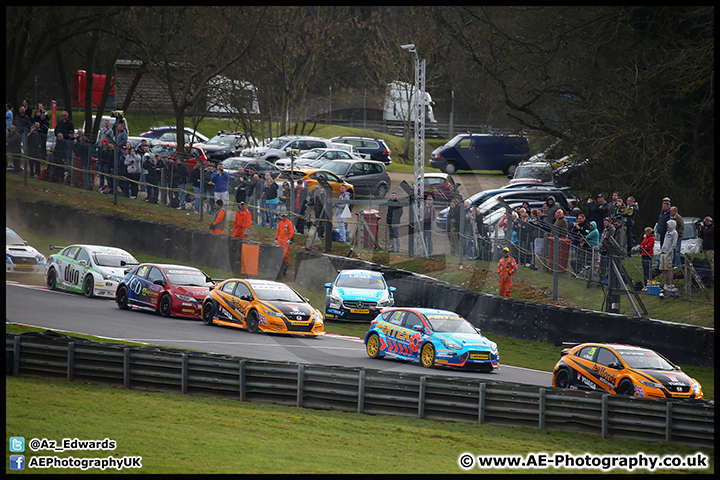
{"x": 562, "y": 379}
{"x": 626, "y": 388}
{"x": 208, "y": 313}
{"x": 89, "y": 286}
{"x": 51, "y": 279}
{"x": 122, "y": 298}
{"x": 427, "y": 355}
{"x": 165, "y": 305}
{"x": 373, "y": 346}
{"x": 252, "y": 322}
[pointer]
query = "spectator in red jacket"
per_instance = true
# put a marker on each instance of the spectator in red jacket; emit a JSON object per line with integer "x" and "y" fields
{"x": 647, "y": 247}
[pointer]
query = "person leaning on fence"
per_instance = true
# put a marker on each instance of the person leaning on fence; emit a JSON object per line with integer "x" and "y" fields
{"x": 647, "y": 251}
{"x": 394, "y": 213}
{"x": 506, "y": 269}
{"x": 218, "y": 223}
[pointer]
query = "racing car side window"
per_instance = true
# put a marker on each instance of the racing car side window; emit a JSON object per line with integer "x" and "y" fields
{"x": 242, "y": 289}
{"x": 229, "y": 287}
{"x": 395, "y": 317}
{"x": 411, "y": 319}
{"x": 606, "y": 357}
{"x": 82, "y": 254}
{"x": 587, "y": 353}
{"x": 155, "y": 274}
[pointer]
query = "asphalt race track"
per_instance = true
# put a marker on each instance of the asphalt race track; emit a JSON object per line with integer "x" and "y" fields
{"x": 40, "y": 307}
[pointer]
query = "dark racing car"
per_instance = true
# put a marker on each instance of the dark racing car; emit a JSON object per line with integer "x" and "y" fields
{"x": 170, "y": 290}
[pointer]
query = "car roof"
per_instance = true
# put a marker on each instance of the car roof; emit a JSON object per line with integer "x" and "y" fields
{"x": 355, "y": 160}
{"x": 426, "y": 311}
{"x": 167, "y": 266}
{"x": 96, "y": 248}
{"x": 360, "y": 270}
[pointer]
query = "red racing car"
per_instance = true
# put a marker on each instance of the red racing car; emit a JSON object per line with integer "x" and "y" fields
{"x": 170, "y": 290}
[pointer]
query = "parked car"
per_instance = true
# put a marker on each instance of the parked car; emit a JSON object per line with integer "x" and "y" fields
{"x": 21, "y": 257}
{"x": 368, "y": 177}
{"x": 481, "y": 152}
{"x": 261, "y": 306}
{"x": 227, "y": 144}
{"x": 623, "y": 370}
{"x": 375, "y": 147}
{"x": 306, "y": 158}
{"x": 88, "y": 269}
{"x": 233, "y": 164}
{"x": 535, "y": 196}
{"x": 193, "y": 154}
{"x": 277, "y": 148}
{"x": 440, "y": 186}
{"x": 430, "y": 337}
{"x": 537, "y": 172}
{"x": 158, "y": 132}
{"x": 357, "y": 295}
{"x": 310, "y": 177}
{"x": 112, "y": 119}
{"x": 170, "y": 290}
{"x": 351, "y": 149}
{"x": 690, "y": 243}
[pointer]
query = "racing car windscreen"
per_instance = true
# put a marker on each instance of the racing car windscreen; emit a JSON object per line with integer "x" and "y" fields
{"x": 116, "y": 261}
{"x": 277, "y": 294}
{"x": 449, "y": 324}
{"x": 12, "y": 238}
{"x": 188, "y": 278}
{"x": 645, "y": 360}
{"x": 360, "y": 281}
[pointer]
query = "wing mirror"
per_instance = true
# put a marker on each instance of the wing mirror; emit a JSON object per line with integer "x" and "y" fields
{"x": 160, "y": 281}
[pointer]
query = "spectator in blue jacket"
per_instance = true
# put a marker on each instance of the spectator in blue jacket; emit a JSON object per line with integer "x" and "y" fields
{"x": 219, "y": 181}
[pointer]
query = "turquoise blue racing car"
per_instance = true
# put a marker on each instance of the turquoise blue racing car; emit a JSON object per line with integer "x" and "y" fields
{"x": 357, "y": 295}
{"x": 430, "y": 337}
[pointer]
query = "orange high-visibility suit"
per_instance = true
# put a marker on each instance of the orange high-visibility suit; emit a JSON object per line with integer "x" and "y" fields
{"x": 506, "y": 268}
{"x": 243, "y": 220}
{"x": 285, "y": 231}
{"x": 219, "y": 222}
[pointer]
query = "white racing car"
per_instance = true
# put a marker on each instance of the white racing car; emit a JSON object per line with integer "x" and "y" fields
{"x": 21, "y": 257}
{"x": 91, "y": 269}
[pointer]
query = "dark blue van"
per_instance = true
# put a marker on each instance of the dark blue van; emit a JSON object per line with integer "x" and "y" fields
{"x": 481, "y": 152}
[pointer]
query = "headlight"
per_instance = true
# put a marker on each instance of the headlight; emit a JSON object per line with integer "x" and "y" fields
{"x": 185, "y": 298}
{"x": 451, "y": 344}
{"x": 650, "y": 384}
{"x": 335, "y": 300}
{"x": 271, "y": 313}
{"x": 493, "y": 347}
{"x": 386, "y": 301}
{"x": 110, "y": 278}
{"x": 696, "y": 388}
{"x": 317, "y": 316}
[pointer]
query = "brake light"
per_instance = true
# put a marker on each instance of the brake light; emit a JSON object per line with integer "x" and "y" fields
{"x": 386, "y": 152}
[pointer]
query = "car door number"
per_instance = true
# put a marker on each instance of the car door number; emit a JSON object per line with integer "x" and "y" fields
{"x": 72, "y": 275}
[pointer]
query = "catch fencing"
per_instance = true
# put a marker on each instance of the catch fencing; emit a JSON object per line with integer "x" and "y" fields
{"x": 363, "y": 391}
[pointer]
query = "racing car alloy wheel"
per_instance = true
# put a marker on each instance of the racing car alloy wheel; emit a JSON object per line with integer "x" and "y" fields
{"x": 165, "y": 305}
{"x": 562, "y": 379}
{"x": 373, "y": 346}
{"x": 427, "y": 355}
{"x": 208, "y": 313}
{"x": 51, "y": 279}
{"x": 122, "y": 298}
{"x": 89, "y": 286}
{"x": 252, "y": 322}
{"x": 626, "y": 388}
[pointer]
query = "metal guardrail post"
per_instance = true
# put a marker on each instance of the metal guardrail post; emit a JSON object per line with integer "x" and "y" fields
{"x": 604, "y": 417}
{"x": 668, "y": 422}
{"x": 184, "y": 375}
{"x": 70, "y": 360}
{"x": 126, "y": 367}
{"x": 300, "y": 381}
{"x": 242, "y": 381}
{"x": 541, "y": 408}
{"x": 481, "y": 404}
{"x": 421, "y": 398}
{"x": 16, "y": 356}
{"x": 361, "y": 392}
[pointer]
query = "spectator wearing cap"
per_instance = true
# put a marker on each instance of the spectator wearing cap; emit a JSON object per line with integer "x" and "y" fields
{"x": 663, "y": 218}
{"x": 707, "y": 233}
{"x": 597, "y": 211}
{"x": 243, "y": 221}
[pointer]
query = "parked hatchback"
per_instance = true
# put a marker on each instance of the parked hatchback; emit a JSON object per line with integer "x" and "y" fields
{"x": 278, "y": 148}
{"x": 370, "y": 178}
{"x": 375, "y": 147}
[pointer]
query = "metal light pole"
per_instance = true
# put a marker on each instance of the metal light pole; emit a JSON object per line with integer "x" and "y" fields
{"x": 419, "y": 140}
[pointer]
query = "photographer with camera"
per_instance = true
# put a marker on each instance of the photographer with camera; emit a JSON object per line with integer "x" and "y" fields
{"x": 631, "y": 209}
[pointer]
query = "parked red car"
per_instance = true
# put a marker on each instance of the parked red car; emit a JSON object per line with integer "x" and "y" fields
{"x": 170, "y": 149}
{"x": 441, "y": 186}
{"x": 170, "y": 290}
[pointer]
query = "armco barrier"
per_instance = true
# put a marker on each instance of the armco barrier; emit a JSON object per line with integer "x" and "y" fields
{"x": 360, "y": 390}
{"x": 508, "y": 317}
